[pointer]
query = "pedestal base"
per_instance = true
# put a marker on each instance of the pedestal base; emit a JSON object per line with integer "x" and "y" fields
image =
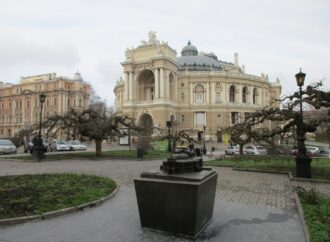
{"x": 303, "y": 167}
{"x": 177, "y": 203}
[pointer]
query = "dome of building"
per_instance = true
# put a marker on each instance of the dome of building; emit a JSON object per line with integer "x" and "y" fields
{"x": 198, "y": 62}
{"x": 189, "y": 50}
{"x": 190, "y": 59}
{"x": 77, "y": 77}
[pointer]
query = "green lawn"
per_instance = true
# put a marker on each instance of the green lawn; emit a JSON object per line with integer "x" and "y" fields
{"x": 316, "y": 213}
{"x": 36, "y": 194}
{"x": 105, "y": 154}
{"x": 320, "y": 166}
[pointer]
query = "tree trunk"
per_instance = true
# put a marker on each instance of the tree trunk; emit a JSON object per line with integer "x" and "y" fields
{"x": 241, "y": 149}
{"x": 98, "y": 147}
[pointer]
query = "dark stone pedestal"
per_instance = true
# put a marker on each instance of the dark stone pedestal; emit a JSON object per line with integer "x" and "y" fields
{"x": 176, "y": 203}
{"x": 303, "y": 167}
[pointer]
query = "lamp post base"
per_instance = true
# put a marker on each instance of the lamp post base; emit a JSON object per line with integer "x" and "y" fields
{"x": 204, "y": 151}
{"x": 303, "y": 167}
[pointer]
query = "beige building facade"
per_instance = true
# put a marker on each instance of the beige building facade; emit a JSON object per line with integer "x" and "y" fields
{"x": 196, "y": 90}
{"x": 19, "y": 103}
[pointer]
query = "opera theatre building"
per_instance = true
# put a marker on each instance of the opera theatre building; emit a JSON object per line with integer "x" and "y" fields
{"x": 196, "y": 91}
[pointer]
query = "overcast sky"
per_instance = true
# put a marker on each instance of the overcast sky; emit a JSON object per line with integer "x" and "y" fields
{"x": 63, "y": 36}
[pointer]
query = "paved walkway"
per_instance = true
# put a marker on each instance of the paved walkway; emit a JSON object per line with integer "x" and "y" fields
{"x": 249, "y": 207}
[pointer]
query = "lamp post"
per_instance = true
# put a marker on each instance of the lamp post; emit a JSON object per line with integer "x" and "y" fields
{"x": 42, "y": 98}
{"x": 303, "y": 162}
{"x": 38, "y": 148}
{"x": 204, "y": 148}
{"x": 169, "y": 146}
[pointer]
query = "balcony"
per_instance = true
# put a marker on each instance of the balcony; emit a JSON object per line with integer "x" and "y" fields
{"x": 149, "y": 102}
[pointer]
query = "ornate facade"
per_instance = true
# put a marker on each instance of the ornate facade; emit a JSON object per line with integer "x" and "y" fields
{"x": 196, "y": 90}
{"x": 19, "y": 103}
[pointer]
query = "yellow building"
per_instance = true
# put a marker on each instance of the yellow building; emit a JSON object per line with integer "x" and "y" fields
{"x": 19, "y": 103}
{"x": 196, "y": 90}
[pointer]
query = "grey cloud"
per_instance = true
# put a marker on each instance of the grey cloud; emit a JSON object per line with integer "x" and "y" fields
{"x": 16, "y": 49}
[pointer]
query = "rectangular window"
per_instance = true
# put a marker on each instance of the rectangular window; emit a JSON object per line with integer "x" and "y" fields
{"x": 199, "y": 98}
{"x": 182, "y": 118}
{"x": 182, "y": 96}
{"x": 219, "y": 119}
{"x": 247, "y": 115}
{"x": 200, "y": 119}
{"x": 55, "y": 101}
{"x": 217, "y": 97}
{"x": 234, "y": 118}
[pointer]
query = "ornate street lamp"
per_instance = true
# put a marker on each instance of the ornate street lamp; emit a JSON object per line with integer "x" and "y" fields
{"x": 42, "y": 98}
{"x": 38, "y": 148}
{"x": 169, "y": 146}
{"x": 303, "y": 162}
{"x": 204, "y": 148}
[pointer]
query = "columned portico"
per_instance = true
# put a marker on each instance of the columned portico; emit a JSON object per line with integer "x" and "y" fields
{"x": 160, "y": 83}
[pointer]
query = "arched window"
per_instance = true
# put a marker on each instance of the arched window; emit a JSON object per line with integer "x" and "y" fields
{"x": 232, "y": 94}
{"x": 255, "y": 95}
{"x": 244, "y": 94}
{"x": 199, "y": 93}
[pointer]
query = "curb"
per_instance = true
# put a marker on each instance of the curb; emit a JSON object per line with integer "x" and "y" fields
{"x": 300, "y": 211}
{"x": 309, "y": 180}
{"x": 56, "y": 213}
{"x": 12, "y": 221}
{"x": 264, "y": 171}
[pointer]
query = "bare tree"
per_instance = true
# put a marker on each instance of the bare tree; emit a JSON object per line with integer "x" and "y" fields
{"x": 286, "y": 118}
{"x": 95, "y": 123}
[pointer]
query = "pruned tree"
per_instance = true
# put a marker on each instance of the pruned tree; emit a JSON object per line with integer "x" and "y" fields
{"x": 286, "y": 118}
{"x": 95, "y": 123}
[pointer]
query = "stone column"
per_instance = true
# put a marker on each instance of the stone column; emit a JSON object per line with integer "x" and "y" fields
{"x": 208, "y": 93}
{"x": 212, "y": 93}
{"x": 251, "y": 95}
{"x": 130, "y": 86}
{"x": 126, "y": 87}
{"x": 175, "y": 87}
{"x": 31, "y": 109}
{"x": 162, "y": 83}
{"x": 191, "y": 94}
{"x": 239, "y": 94}
{"x": 225, "y": 94}
{"x": 156, "y": 83}
{"x": 23, "y": 109}
{"x": 167, "y": 79}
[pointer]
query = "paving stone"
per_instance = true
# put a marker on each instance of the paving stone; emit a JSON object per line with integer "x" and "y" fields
{"x": 249, "y": 206}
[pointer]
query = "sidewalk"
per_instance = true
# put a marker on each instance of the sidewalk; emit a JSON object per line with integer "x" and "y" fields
{"x": 249, "y": 207}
